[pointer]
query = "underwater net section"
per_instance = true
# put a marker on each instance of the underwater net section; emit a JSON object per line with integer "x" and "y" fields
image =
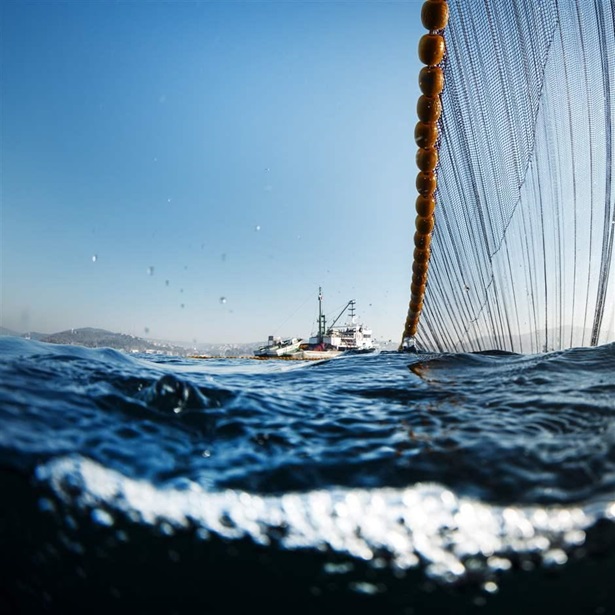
{"x": 522, "y": 248}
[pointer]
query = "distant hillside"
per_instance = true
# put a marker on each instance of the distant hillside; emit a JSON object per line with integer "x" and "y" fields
{"x": 100, "y": 338}
{"x": 91, "y": 337}
{"x": 34, "y": 335}
{"x": 31, "y": 335}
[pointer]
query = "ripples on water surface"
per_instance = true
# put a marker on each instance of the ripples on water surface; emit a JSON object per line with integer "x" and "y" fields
{"x": 390, "y": 483}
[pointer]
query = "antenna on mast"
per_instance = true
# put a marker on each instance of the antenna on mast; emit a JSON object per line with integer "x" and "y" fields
{"x": 351, "y": 305}
{"x": 321, "y": 317}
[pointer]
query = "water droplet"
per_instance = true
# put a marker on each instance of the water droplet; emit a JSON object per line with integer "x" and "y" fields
{"x": 223, "y": 300}
{"x": 206, "y": 453}
{"x": 146, "y": 330}
{"x": 150, "y": 270}
{"x": 223, "y": 257}
{"x": 574, "y": 537}
{"x": 102, "y": 517}
{"x": 363, "y": 587}
{"x": 182, "y": 306}
{"x": 555, "y": 557}
{"x": 94, "y": 257}
{"x": 166, "y": 282}
{"x": 169, "y": 200}
{"x": 341, "y": 568}
{"x": 257, "y": 227}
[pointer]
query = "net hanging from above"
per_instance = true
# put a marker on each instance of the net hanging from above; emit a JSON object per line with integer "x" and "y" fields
{"x": 522, "y": 247}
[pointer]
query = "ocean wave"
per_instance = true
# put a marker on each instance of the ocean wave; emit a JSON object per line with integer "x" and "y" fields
{"x": 456, "y": 470}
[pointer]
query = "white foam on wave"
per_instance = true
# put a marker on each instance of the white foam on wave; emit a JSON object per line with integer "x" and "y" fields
{"x": 427, "y": 523}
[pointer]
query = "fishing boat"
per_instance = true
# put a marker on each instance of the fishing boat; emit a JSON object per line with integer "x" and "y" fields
{"x": 330, "y": 341}
{"x": 277, "y": 347}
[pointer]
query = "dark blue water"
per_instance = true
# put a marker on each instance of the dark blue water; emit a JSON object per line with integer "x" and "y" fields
{"x": 391, "y": 483}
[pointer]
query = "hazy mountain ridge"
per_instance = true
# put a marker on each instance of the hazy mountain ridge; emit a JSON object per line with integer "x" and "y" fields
{"x": 91, "y": 337}
{"x": 100, "y": 338}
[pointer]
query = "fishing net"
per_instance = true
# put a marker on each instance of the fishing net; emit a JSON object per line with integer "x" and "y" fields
{"x": 522, "y": 248}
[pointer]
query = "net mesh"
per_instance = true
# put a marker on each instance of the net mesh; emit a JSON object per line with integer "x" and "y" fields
{"x": 523, "y": 241}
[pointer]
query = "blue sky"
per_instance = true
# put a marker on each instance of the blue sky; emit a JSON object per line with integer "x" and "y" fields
{"x": 196, "y": 170}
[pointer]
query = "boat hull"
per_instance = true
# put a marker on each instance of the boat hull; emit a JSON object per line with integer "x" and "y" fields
{"x": 278, "y": 350}
{"x": 314, "y": 355}
{"x": 303, "y": 355}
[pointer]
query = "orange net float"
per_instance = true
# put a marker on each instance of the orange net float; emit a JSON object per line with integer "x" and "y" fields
{"x": 425, "y": 205}
{"x": 420, "y": 279}
{"x": 427, "y": 159}
{"x": 431, "y": 80}
{"x": 411, "y": 326}
{"x": 425, "y": 135}
{"x": 426, "y": 183}
{"x": 417, "y": 289}
{"x": 434, "y": 15}
{"x": 415, "y": 299}
{"x": 424, "y": 226}
{"x": 422, "y": 241}
{"x": 421, "y": 255}
{"x": 416, "y": 306}
{"x": 420, "y": 268}
{"x": 413, "y": 318}
{"x": 429, "y": 109}
{"x": 431, "y": 49}
{"x": 415, "y": 323}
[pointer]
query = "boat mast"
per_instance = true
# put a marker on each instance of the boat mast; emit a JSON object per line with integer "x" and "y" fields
{"x": 352, "y": 315}
{"x": 350, "y": 305}
{"x": 321, "y": 317}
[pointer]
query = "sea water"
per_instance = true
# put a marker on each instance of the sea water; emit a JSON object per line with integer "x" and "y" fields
{"x": 372, "y": 483}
